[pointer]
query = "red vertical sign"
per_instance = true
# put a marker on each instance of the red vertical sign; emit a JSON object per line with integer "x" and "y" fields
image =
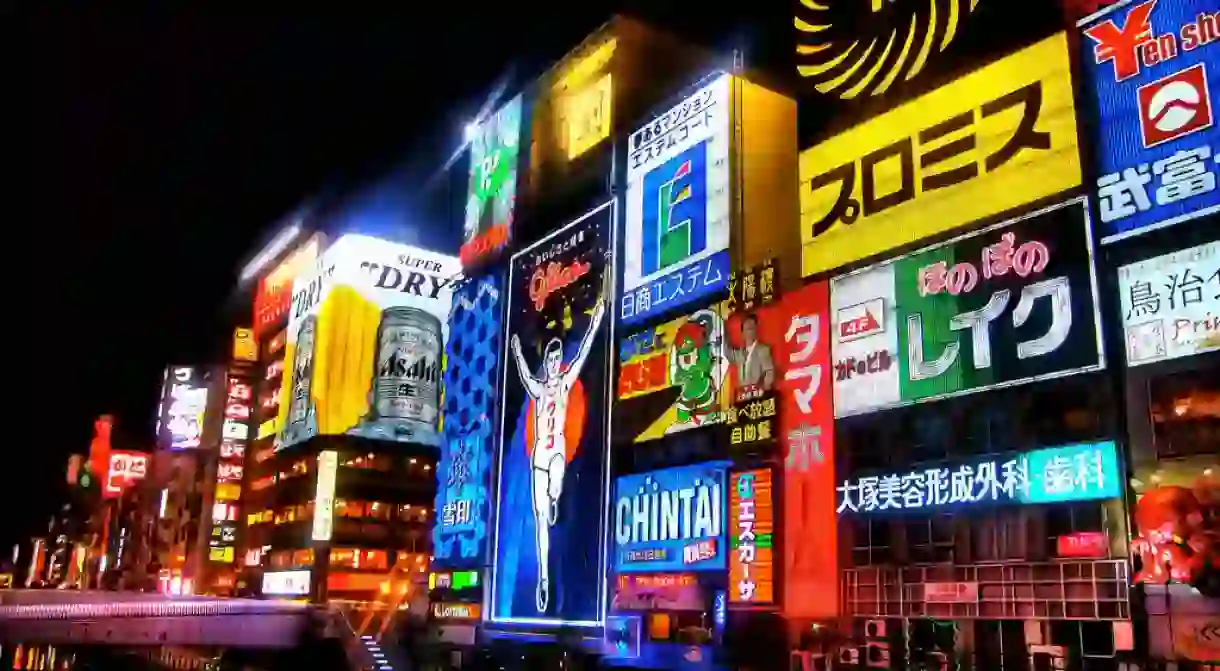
{"x": 810, "y": 540}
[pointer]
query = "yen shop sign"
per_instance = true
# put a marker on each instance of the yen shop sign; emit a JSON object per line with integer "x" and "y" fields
{"x": 1002, "y": 306}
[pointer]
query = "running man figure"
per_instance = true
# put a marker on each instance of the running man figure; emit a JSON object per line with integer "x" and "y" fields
{"x": 550, "y": 395}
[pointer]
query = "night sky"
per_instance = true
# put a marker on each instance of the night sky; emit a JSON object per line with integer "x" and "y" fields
{"x": 166, "y": 143}
{"x": 164, "y": 146}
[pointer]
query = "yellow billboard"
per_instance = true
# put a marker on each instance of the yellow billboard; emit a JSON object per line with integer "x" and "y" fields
{"x": 245, "y": 345}
{"x": 996, "y": 139}
{"x": 583, "y": 96}
{"x": 366, "y": 340}
{"x": 674, "y": 376}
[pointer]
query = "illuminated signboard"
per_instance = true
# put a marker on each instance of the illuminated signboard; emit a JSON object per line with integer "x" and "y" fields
{"x": 683, "y": 360}
{"x": 286, "y": 583}
{"x": 1009, "y": 304}
{"x": 799, "y": 325}
{"x": 660, "y": 591}
{"x": 235, "y": 430}
{"x": 492, "y": 193}
{"x": 1082, "y": 472}
{"x": 457, "y": 611}
{"x": 473, "y": 370}
{"x": 365, "y": 340}
{"x": 228, "y": 471}
{"x": 671, "y": 520}
{"x": 676, "y": 235}
{"x": 1149, "y": 70}
{"x": 245, "y": 346}
{"x": 274, "y": 293}
{"x": 551, "y": 481}
{"x": 583, "y": 99}
{"x": 996, "y": 139}
{"x": 221, "y": 555}
{"x": 1171, "y": 304}
{"x": 832, "y": 38}
{"x": 126, "y": 469}
{"x": 453, "y": 580}
{"x": 753, "y": 414}
{"x": 324, "y": 496}
{"x": 752, "y": 529}
{"x": 184, "y": 411}
{"x": 228, "y": 491}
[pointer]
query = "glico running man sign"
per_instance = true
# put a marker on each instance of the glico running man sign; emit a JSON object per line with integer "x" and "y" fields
{"x": 551, "y": 483}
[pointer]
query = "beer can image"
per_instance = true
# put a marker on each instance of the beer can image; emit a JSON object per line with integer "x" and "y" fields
{"x": 405, "y": 389}
{"x": 302, "y": 420}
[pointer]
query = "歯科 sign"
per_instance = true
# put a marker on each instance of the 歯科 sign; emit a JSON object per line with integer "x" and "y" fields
{"x": 1081, "y": 472}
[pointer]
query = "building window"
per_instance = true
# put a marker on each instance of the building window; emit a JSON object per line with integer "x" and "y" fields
{"x": 1185, "y": 409}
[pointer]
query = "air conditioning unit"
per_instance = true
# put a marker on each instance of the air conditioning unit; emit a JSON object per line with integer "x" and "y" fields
{"x": 849, "y": 656}
{"x": 874, "y": 629}
{"x": 877, "y": 654}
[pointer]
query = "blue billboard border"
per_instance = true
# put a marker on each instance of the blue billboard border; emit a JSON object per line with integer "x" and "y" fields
{"x": 1092, "y": 144}
{"x": 489, "y": 594}
{"x": 497, "y": 279}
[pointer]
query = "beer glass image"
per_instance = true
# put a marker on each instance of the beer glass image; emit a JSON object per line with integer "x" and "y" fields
{"x": 335, "y": 351}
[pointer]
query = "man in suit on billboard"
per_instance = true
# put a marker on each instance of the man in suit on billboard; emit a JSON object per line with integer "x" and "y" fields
{"x": 755, "y": 367}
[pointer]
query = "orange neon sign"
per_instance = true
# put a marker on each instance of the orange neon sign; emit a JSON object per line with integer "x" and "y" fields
{"x": 274, "y": 294}
{"x": 751, "y": 522}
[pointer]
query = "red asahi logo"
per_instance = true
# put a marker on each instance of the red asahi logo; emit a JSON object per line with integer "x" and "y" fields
{"x": 554, "y": 278}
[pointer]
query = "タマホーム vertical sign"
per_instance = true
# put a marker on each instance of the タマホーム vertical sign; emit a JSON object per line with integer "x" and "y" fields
{"x": 807, "y": 430}
{"x": 751, "y": 532}
{"x": 552, "y": 474}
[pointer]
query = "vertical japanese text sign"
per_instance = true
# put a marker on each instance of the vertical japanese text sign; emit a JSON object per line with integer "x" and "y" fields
{"x": 810, "y": 546}
{"x": 751, "y": 528}
{"x": 471, "y": 372}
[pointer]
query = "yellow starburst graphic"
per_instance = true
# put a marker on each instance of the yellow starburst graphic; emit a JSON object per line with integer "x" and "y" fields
{"x": 853, "y": 48}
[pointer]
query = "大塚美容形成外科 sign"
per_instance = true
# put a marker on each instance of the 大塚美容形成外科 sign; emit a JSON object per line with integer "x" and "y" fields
{"x": 1082, "y": 472}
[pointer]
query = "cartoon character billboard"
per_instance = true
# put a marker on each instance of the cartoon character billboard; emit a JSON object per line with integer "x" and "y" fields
{"x": 673, "y": 377}
{"x": 552, "y": 479}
